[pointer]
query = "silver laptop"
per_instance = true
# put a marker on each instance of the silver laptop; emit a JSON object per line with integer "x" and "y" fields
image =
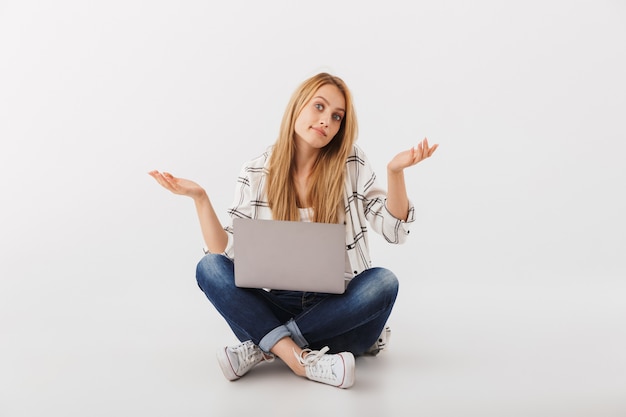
{"x": 285, "y": 255}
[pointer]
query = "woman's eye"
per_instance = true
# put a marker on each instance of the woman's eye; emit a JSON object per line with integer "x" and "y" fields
{"x": 337, "y": 117}
{"x": 319, "y": 106}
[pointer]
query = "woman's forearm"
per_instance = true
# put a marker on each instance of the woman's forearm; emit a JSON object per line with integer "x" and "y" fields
{"x": 397, "y": 199}
{"x": 213, "y": 233}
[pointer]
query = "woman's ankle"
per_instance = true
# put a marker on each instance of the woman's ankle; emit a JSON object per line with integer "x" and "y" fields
{"x": 286, "y": 349}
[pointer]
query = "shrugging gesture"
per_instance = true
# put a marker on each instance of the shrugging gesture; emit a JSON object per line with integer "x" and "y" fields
{"x": 397, "y": 199}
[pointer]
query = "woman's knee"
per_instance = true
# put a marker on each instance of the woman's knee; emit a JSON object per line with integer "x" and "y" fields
{"x": 213, "y": 269}
{"x": 375, "y": 283}
{"x": 385, "y": 280}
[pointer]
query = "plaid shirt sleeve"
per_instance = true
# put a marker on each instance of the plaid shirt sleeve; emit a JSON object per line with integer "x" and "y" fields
{"x": 249, "y": 200}
{"x": 365, "y": 204}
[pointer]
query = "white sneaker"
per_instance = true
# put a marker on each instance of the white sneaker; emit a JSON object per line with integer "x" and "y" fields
{"x": 336, "y": 370}
{"x": 381, "y": 343}
{"x": 236, "y": 361}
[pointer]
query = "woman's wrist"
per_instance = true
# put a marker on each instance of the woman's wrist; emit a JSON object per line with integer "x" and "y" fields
{"x": 200, "y": 197}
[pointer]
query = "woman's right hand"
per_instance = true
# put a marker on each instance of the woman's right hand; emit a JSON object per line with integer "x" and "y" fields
{"x": 215, "y": 237}
{"x": 176, "y": 185}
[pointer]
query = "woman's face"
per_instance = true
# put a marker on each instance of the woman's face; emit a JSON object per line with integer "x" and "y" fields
{"x": 320, "y": 118}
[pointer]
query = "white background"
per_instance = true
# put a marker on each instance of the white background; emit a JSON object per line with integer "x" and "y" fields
{"x": 513, "y": 281}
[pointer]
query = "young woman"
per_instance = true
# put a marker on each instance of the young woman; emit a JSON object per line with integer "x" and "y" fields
{"x": 313, "y": 172}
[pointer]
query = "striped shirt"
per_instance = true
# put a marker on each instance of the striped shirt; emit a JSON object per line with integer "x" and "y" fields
{"x": 364, "y": 203}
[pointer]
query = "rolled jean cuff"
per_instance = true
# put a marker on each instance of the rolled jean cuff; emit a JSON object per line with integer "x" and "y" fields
{"x": 296, "y": 335}
{"x": 270, "y": 339}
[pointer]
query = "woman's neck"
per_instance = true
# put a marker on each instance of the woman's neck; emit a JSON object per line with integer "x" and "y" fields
{"x": 304, "y": 161}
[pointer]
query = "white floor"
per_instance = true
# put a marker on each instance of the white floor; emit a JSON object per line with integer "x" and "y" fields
{"x": 456, "y": 350}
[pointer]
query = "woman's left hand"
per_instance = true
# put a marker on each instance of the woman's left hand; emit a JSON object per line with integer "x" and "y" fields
{"x": 411, "y": 156}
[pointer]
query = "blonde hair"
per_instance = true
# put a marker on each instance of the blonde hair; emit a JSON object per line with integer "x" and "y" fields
{"x": 326, "y": 185}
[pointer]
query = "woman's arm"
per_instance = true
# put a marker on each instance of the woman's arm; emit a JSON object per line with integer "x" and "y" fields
{"x": 214, "y": 235}
{"x": 397, "y": 199}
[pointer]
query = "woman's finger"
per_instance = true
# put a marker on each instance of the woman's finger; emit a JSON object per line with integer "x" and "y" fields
{"x": 419, "y": 155}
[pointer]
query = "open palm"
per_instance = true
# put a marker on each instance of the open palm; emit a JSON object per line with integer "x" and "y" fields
{"x": 176, "y": 185}
{"x": 411, "y": 156}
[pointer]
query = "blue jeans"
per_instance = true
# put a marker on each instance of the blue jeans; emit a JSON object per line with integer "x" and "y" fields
{"x": 351, "y": 321}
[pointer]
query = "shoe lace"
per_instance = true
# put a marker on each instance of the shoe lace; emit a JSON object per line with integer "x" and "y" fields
{"x": 310, "y": 359}
{"x": 249, "y": 355}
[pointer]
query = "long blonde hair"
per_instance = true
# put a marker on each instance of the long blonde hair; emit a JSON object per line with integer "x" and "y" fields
{"x": 326, "y": 185}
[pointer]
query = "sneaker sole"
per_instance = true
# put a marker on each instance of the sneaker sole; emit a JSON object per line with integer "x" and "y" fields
{"x": 227, "y": 369}
{"x": 348, "y": 363}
